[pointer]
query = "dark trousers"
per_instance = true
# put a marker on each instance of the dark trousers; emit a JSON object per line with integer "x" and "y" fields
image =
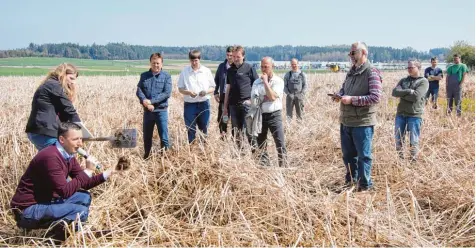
{"x": 433, "y": 92}
{"x": 151, "y": 119}
{"x": 223, "y": 126}
{"x": 454, "y": 93}
{"x": 274, "y": 123}
{"x": 238, "y": 122}
{"x": 294, "y": 101}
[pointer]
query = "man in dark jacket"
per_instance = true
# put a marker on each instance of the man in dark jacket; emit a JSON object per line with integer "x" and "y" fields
{"x": 240, "y": 78}
{"x": 153, "y": 91}
{"x": 44, "y": 196}
{"x": 220, "y": 89}
{"x": 360, "y": 92}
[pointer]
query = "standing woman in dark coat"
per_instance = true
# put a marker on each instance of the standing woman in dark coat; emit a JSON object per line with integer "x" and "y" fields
{"x": 52, "y": 104}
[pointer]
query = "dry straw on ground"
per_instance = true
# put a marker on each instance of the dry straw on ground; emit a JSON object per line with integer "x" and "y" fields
{"x": 211, "y": 195}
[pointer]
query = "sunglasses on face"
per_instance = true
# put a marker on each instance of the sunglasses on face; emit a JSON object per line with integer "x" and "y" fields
{"x": 352, "y": 53}
{"x": 410, "y": 67}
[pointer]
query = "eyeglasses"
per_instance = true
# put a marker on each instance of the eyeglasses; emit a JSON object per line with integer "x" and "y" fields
{"x": 352, "y": 53}
{"x": 411, "y": 67}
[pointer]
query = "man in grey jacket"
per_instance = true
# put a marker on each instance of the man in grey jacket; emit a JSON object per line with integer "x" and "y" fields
{"x": 412, "y": 93}
{"x": 295, "y": 88}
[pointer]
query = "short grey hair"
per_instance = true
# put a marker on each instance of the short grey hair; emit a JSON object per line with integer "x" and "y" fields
{"x": 415, "y": 62}
{"x": 269, "y": 59}
{"x": 361, "y": 46}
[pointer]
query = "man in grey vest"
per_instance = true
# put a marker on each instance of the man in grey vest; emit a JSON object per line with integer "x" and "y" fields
{"x": 295, "y": 88}
{"x": 360, "y": 93}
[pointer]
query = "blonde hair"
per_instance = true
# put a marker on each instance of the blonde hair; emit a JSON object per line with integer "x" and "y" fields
{"x": 59, "y": 74}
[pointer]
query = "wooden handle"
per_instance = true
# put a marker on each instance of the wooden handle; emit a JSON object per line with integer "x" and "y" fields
{"x": 100, "y": 139}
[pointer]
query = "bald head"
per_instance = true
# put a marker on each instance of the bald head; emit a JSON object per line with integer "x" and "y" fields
{"x": 294, "y": 65}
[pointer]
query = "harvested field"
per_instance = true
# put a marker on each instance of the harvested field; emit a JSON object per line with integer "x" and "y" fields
{"x": 210, "y": 195}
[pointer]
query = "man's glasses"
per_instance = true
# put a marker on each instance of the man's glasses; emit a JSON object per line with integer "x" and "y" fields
{"x": 410, "y": 67}
{"x": 352, "y": 53}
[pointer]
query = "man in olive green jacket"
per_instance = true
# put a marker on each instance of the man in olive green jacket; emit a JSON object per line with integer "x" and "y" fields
{"x": 358, "y": 97}
{"x": 411, "y": 90}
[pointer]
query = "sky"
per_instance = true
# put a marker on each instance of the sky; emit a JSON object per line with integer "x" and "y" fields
{"x": 420, "y": 24}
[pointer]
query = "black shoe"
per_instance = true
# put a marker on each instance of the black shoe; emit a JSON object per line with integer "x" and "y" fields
{"x": 348, "y": 184}
{"x": 365, "y": 189}
{"x": 146, "y": 156}
{"x": 58, "y": 233}
{"x": 264, "y": 162}
{"x": 101, "y": 233}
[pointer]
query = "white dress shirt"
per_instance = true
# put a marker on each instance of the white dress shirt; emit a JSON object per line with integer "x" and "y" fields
{"x": 196, "y": 81}
{"x": 258, "y": 91}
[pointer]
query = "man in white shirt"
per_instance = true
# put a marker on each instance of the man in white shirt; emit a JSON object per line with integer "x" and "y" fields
{"x": 267, "y": 95}
{"x": 196, "y": 83}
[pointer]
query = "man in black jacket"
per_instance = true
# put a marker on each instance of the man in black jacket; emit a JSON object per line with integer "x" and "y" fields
{"x": 240, "y": 78}
{"x": 220, "y": 89}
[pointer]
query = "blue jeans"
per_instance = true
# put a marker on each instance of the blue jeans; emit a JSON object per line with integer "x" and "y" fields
{"x": 41, "y": 141}
{"x": 356, "y": 145}
{"x": 151, "y": 119}
{"x": 42, "y": 215}
{"x": 196, "y": 114}
{"x": 412, "y": 125}
{"x": 433, "y": 91}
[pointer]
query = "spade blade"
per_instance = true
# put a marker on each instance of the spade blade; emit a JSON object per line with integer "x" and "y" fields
{"x": 125, "y": 138}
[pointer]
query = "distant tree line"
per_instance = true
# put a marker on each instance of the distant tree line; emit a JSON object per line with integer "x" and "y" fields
{"x": 465, "y": 50}
{"x": 122, "y": 51}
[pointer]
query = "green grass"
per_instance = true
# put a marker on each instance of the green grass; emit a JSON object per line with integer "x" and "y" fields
{"x": 45, "y": 61}
{"x": 467, "y": 104}
{"x": 9, "y": 71}
{"x": 37, "y": 66}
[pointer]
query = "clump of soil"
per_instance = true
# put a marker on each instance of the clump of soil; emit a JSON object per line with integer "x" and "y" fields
{"x": 123, "y": 164}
